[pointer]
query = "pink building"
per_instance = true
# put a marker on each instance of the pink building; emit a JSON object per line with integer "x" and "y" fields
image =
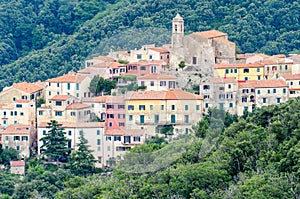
{"x": 115, "y": 113}
{"x": 146, "y": 67}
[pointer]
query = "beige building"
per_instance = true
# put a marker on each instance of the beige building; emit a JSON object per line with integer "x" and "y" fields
{"x": 201, "y": 50}
{"x": 293, "y": 81}
{"x": 92, "y": 131}
{"x": 98, "y": 106}
{"x": 69, "y": 84}
{"x": 255, "y": 94}
{"x": 20, "y": 137}
{"x": 117, "y": 142}
{"x": 157, "y": 82}
{"x": 17, "y": 167}
{"x": 220, "y": 93}
{"x": 154, "y": 110}
{"x": 21, "y": 91}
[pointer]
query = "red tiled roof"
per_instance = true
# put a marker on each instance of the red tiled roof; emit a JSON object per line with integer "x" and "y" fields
{"x": 98, "y": 99}
{"x": 27, "y": 87}
{"x": 162, "y": 95}
{"x": 77, "y": 105}
{"x": 292, "y": 77}
{"x": 224, "y": 41}
{"x": 17, "y": 129}
{"x": 159, "y": 49}
{"x": 68, "y": 78}
{"x": 115, "y": 65}
{"x": 17, "y": 163}
{"x": 114, "y": 132}
{"x": 76, "y": 124}
{"x": 262, "y": 84}
{"x": 104, "y": 58}
{"x": 224, "y": 66}
{"x": 61, "y": 97}
{"x": 157, "y": 76}
{"x": 294, "y": 89}
{"x": 211, "y": 34}
{"x": 241, "y": 56}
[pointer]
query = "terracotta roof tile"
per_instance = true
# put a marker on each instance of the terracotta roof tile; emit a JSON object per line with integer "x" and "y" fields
{"x": 241, "y": 56}
{"x": 17, "y": 163}
{"x": 76, "y": 124}
{"x": 77, "y": 105}
{"x": 157, "y": 76}
{"x": 98, "y": 99}
{"x": 224, "y": 66}
{"x": 262, "y": 84}
{"x": 104, "y": 58}
{"x": 121, "y": 132}
{"x": 115, "y": 65}
{"x": 17, "y": 129}
{"x": 292, "y": 77}
{"x": 159, "y": 49}
{"x": 211, "y": 34}
{"x": 61, "y": 97}
{"x": 68, "y": 78}
{"x": 162, "y": 95}
{"x": 27, "y": 87}
{"x": 224, "y": 41}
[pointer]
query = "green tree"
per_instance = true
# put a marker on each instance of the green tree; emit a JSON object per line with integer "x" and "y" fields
{"x": 181, "y": 65}
{"x": 81, "y": 161}
{"x": 55, "y": 143}
{"x": 99, "y": 84}
{"x": 201, "y": 128}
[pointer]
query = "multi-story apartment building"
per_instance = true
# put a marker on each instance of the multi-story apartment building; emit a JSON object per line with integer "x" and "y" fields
{"x": 157, "y": 82}
{"x": 98, "y": 106}
{"x": 153, "y": 110}
{"x": 220, "y": 93}
{"x": 293, "y": 81}
{"x": 20, "y": 137}
{"x": 142, "y": 67}
{"x": 253, "y": 94}
{"x": 69, "y": 84}
{"x": 115, "y": 112}
{"x": 92, "y": 131}
{"x": 253, "y": 71}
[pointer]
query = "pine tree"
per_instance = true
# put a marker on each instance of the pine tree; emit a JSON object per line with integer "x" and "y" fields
{"x": 55, "y": 142}
{"x": 82, "y": 161}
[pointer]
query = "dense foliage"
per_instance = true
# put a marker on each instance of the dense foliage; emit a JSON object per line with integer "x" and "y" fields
{"x": 43, "y": 39}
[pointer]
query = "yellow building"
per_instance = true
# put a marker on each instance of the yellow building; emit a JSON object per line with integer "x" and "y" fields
{"x": 153, "y": 110}
{"x": 253, "y": 71}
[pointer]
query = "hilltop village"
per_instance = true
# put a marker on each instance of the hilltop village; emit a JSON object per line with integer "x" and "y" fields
{"x": 161, "y": 91}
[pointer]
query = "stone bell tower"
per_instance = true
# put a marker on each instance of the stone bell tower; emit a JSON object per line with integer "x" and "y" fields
{"x": 177, "y": 52}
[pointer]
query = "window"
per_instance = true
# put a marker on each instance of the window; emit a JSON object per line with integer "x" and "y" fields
{"x": 229, "y": 86}
{"x": 121, "y": 106}
{"x": 152, "y": 83}
{"x": 284, "y": 90}
{"x": 139, "y": 56}
{"x": 49, "y": 93}
{"x": 186, "y": 119}
{"x": 226, "y": 71}
{"x": 98, "y": 142}
{"x": 194, "y": 60}
{"x": 280, "y": 67}
{"x": 173, "y": 119}
{"x": 244, "y": 99}
{"x": 44, "y": 132}
{"x": 258, "y": 70}
{"x": 130, "y": 107}
{"x": 246, "y": 78}
{"x": 162, "y": 83}
{"x": 246, "y": 70}
{"x": 206, "y": 105}
{"x": 142, "y": 119}
{"x": 73, "y": 113}
{"x": 16, "y": 137}
{"x": 235, "y": 70}
{"x": 264, "y": 100}
{"x": 24, "y": 138}
{"x": 142, "y": 83}
{"x": 127, "y": 139}
{"x": 278, "y": 100}
{"x": 197, "y": 107}
{"x": 98, "y": 132}
{"x": 186, "y": 107}
{"x": 136, "y": 138}
{"x": 108, "y": 138}
{"x": 121, "y": 124}
{"x": 11, "y": 113}
{"x": 68, "y": 86}
{"x": 206, "y": 87}
{"x": 77, "y": 86}
{"x": 130, "y": 118}
{"x": 162, "y": 107}
{"x": 150, "y": 56}
{"x": 142, "y": 107}
{"x": 151, "y": 107}
{"x": 143, "y": 68}
{"x": 221, "y": 88}
{"x": 17, "y": 148}
{"x": 269, "y": 91}
{"x": 286, "y": 67}
{"x": 58, "y": 103}
{"x": 258, "y": 91}
{"x": 18, "y": 105}
{"x": 274, "y": 90}
{"x": 258, "y": 77}
{"x": 172, "y": 107}
{"x": 117, "y": 138}
{"x": 292, "y": 83}
{"x": 245, "y": 90}
{"x": 110, "y": 124}
{"x": 156, "y": 119}
{"x": 230, "y": 105}
{"x": 58, "y": 113}
{"x": 69, "y": 133}
{"x": 16, "y": 113}
{"x": 110, "y": 106}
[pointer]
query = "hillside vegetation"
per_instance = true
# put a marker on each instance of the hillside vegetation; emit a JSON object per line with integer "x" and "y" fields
{"x": 43, "y": 39}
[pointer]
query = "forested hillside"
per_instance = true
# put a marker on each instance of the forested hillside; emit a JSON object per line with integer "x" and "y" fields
{"x": 42, "y": 39}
